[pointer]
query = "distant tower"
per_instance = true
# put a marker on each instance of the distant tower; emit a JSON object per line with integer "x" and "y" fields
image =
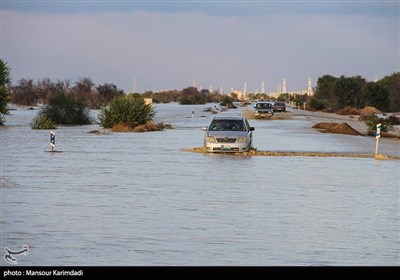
{"x": 309, "y": 87}
{"x": 284, "y": 86}
{"x": 210, "y": 88}
{"x": 221, "y": 91}
{"x": 231, "y": 89}
{"x": 262, "y": 87}
{"x": 194, "y": 82}
{"x": 245, "y": 90}
{"x": 134, "y": 85}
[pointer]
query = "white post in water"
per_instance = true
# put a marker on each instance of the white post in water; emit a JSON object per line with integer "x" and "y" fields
{"x": 52, "y": 140}
{"x": 378, "y": 135}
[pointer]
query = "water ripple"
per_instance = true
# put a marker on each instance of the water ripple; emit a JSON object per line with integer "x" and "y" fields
{"x": 136, "y": 199}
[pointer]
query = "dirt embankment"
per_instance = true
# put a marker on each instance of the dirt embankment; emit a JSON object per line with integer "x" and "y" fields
{"x": 338, "y": 128}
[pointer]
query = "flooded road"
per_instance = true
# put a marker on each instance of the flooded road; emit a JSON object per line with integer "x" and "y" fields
{"x": 137, "y": 199}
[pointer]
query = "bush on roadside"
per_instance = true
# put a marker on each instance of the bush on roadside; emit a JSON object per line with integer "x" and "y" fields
{"x": 129, "y": 110}
{"x": 65, "y": 109}
{"x": 318, "y": 104}
{"x": 387, "y": 123}
{"x": 43, "y": 122}
{"x": 227, "y": 102}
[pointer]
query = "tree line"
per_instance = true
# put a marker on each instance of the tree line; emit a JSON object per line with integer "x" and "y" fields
{"x": 331, "y": 93}
{"x": 27, "y": 92}
{"x": 188, "y": 95}
{"x": 335, "y": 93}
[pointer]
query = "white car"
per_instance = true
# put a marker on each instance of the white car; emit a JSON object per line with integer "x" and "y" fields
{"x": 228, "y": 134}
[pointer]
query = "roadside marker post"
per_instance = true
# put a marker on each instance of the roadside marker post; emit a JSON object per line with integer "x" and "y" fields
{"x": 378, "y": 135}
{"x": 52, "y": 140}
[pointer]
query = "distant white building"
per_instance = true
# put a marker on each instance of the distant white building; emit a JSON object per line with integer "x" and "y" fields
{"x": 283, "y": 89}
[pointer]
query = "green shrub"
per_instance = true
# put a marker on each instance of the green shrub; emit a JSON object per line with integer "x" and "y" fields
{"x": 43, "y": 122}
{"x": 373, "y": 120}
{"x": 64, "y": 109}
{"x": 130, "y": 110}
{"x": 318, "y": 104}
{"x": 227, "y": 102}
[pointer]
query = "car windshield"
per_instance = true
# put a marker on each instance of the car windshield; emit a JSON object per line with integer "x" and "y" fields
{"x": 227, "y": 125}
{"x": 279, "y": 104}
{"x": 263, "y": 105}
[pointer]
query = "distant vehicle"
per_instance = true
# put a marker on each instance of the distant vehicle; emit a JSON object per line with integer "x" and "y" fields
{"x": 263, "y": 109}
{"x": 279, "y": 107}
{"x": 228, "y": 134}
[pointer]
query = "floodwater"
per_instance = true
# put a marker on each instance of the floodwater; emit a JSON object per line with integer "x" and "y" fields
{"x": 137, "y": 199}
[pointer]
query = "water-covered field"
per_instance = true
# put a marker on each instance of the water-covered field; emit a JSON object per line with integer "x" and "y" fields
{"x": 137, "y": 199}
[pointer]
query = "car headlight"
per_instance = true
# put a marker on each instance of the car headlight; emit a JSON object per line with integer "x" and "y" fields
{"x": 242, "y": 139}
{"x": 210, "y": 139}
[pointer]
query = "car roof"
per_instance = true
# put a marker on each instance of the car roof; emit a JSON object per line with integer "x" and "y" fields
{"x": 258, "y": 102}
{"x": 228, "y": 118}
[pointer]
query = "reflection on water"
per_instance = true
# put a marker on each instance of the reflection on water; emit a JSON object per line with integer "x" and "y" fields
{"x": 136, "y": 199}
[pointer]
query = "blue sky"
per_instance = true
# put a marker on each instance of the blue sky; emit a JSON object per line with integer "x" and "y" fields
{"x": 170, "y": 44}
